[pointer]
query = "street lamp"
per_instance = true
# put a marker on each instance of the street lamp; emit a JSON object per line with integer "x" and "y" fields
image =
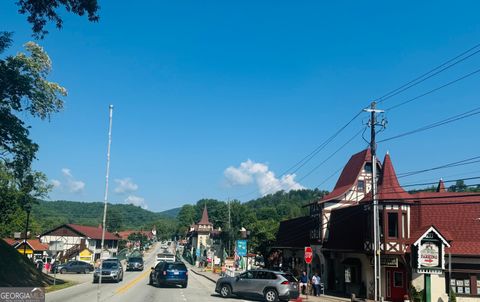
{"x": 28, "y": 208}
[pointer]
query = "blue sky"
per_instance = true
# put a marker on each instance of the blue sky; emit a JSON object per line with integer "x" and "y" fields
{"x": 200, "y": 88}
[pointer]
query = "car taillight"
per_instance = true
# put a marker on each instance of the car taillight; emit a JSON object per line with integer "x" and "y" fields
{"x": 285, "y": 283}
{"x": 164, "y": 273}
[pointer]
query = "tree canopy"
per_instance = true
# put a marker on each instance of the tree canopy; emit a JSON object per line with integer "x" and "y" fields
{"x": 40, "y": 12}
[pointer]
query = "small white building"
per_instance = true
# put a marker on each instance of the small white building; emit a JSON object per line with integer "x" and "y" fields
{"x": 78, "y": 241}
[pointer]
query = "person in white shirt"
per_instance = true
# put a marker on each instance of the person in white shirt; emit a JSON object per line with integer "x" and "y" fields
{"x": 316, "y": 284}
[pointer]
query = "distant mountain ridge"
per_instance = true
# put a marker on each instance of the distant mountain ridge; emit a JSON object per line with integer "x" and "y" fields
{"x": 119, "y": 216}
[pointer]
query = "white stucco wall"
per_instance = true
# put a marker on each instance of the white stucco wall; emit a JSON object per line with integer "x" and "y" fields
{"x": 437, "y": 287}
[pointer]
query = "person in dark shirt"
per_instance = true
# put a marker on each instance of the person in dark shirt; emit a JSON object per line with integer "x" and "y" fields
{"x": 303, "y": 281}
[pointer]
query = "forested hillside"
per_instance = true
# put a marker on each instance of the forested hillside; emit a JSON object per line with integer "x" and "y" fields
{"x": 47, "y": 214}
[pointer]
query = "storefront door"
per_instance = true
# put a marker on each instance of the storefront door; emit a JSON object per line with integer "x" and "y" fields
{"x": 396, "y": 281}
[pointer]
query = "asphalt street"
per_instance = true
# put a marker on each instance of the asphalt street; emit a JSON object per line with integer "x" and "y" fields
{"x": 134, "y": 287}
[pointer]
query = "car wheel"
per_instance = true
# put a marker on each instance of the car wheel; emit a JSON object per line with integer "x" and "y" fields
{"x": 225, "y": 291}
{"x": 86, "y": 271}
{"x": 95, "y": 280}
{"x": 271, "y": 295}
{"x": 184, "y": 285}
{"x": 150, "y": 282}
{"x": 63, "y": 271}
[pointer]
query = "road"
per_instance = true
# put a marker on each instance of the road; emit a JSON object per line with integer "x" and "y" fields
{"x": 134, "y": 287}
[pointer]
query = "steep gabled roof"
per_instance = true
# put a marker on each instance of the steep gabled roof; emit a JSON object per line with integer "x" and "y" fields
{"x": 82, "y": 230}
{"x": 441, "y": 186}
{"x": 388, "y": 187}
{"x": 204, "y": 219}
{"x": 349, "y": 175}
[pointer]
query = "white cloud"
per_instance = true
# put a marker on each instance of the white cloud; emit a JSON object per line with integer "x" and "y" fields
{"x": 125, "y": 185}
{"x": 70, "y": 184}
{"x": 56, "y": 183}
{"x": 137, "y": 201}
{"x": 266, "y": 181}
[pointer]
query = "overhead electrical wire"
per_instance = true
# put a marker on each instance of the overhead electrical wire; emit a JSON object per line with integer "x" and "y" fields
{"x": 429, "y": 74}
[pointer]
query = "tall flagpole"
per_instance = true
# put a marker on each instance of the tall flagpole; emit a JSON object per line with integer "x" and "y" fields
{"x": 105, "y": 199}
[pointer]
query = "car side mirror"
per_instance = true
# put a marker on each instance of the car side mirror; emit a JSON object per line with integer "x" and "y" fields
{"x": 152, "y": 268}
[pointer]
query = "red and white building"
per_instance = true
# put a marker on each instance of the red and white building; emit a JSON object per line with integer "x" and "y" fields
{"x": 343, "y": 232}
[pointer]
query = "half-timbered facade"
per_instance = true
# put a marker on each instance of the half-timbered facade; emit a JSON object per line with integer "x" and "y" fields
{"x": 71, "y": 239}
{"x": 344, "y": 232}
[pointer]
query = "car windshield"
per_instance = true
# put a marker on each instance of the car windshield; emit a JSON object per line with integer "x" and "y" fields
{"x": 109, "y": 265}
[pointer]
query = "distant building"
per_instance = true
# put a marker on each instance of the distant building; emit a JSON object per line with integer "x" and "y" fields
{"x": 78, "y": 241}
{"x": 34, "y": 248}
{"x": 203, "y": 239}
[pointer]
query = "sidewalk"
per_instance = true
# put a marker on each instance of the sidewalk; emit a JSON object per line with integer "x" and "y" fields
{"x": 214, "y": 277}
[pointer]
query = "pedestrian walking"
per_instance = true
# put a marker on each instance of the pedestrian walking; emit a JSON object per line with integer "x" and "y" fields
{"x": 316, "y": 284}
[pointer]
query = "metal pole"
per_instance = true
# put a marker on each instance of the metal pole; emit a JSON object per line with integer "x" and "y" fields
{"x": 105, "y": 198}
{"x": 26, "y": 231}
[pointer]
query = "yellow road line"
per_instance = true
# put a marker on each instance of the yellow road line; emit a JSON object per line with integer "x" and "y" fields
{"x": 132, "y": 283}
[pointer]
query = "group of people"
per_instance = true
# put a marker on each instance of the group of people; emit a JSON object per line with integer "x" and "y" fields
{"x": 315, "y": 282}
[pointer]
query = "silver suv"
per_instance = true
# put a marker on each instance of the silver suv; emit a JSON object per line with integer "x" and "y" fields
{"x": 271, "y": 285}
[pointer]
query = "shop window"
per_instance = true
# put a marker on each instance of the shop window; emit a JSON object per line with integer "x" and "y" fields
{"x": 462, "y": 284}
{"x": 393, "y": 225}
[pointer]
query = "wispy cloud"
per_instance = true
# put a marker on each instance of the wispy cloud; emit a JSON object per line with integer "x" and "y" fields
{"x": 137, "y": 201}
{"x": 69, "y": 183}
{"x": 249, "y": 172}
{"x": 125, "y": 185}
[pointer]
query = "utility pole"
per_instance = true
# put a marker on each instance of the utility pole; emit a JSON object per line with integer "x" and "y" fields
{"x": 105, "y": 200}
{"x": 376, "y": 230}
{"x": 229, "y": 225}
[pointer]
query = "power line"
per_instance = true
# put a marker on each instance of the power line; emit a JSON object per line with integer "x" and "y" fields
{"x": 429, "y": 74}
{"x": 433, "y": 90}
{"x": 451, "y": 119}
{"x": 448, "y": 165}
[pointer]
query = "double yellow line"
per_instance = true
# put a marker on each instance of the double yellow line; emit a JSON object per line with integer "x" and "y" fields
{"x": 127, "y": 286}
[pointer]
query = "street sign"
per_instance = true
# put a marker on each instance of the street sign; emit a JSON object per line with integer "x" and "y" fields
{"x": 242, "y": 248}
{"x": 308, "y": 254}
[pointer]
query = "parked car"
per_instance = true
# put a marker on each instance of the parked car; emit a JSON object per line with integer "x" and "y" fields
{"x": 266, "y": 284}
{"x": 73, "y": 267}
{"x": 169, "y": 273}
{"x": 134, "y": 264}
{"x": 111, "y": 269}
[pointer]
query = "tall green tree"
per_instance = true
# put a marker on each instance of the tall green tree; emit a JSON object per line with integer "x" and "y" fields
{"x": 39, "y": 12}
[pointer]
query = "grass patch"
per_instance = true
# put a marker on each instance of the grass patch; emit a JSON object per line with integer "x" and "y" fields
{"x": 55, "y": 287}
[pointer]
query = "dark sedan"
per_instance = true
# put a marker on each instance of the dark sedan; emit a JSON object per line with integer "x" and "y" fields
{"x": 135, "y": 264}
{"x": 169, "y": 273}
{"x": 73, "y": 267}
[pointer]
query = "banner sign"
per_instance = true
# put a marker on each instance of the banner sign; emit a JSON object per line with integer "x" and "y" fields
{"x": 242, "y": 248}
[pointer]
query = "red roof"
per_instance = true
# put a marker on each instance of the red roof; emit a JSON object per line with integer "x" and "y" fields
{"x": 35, "y": 244}
{"x": 388, "y": 187}
{"x": 204, "y": 219}
{"x": 92, "y": 232}
{"x": 349, "y": 175}
{"x": 455, "y": 215}
{"x": 441, "y": 186}
{"x": 124, "y": 234}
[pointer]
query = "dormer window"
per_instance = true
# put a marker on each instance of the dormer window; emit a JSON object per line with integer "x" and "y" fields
{"x": 361, "y": 186}
{"x": 368, "y": 167}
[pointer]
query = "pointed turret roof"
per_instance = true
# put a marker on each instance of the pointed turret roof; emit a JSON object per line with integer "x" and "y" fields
{"x": 204, "y": 219}
{"x": 388, "y": 187}
{"x": 441, "y": 186}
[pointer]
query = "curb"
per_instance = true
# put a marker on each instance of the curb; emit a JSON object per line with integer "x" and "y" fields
{"x": 200, "y": 274}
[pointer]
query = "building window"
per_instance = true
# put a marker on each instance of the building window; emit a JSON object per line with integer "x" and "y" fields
{"x": 397, "y": 279}
{"x": 393, "y": 225}
{"x": 368, "y": 168}
{"x": 463, "y": 284}
{"x": 361, "y": 186}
